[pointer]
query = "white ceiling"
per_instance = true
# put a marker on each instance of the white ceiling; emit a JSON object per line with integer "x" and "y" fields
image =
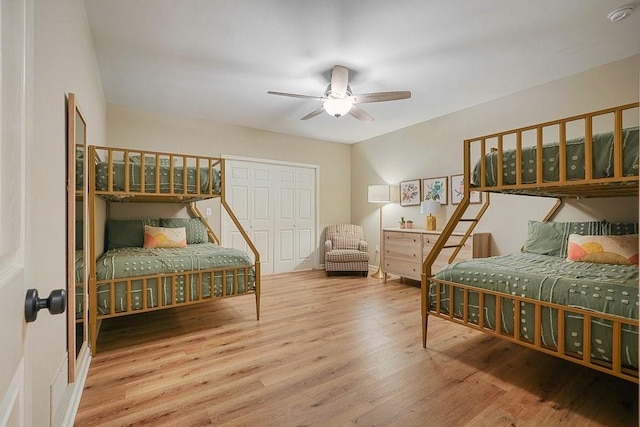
{"x": 216, "y": 59}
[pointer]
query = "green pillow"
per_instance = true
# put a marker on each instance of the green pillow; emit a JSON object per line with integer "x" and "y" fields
{"x": 127, "y": 233}
{"x": 544, "y": 238}
{"x": 552, "y": 238}
{"x": 196, "y": 230}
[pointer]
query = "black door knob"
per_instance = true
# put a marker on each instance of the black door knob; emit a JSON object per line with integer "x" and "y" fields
{"x": 56, "y": 303}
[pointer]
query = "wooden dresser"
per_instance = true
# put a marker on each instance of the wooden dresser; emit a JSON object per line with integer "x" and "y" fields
{"x": 404, "y": 251}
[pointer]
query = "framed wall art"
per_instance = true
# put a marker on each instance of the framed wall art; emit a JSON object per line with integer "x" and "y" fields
{"x": 435, "y": 189}
{"x": 410, "y": 194}
{"x": 457, "y": 191}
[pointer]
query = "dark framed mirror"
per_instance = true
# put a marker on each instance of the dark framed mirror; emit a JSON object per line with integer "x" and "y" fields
{"x": 77, "y": 244}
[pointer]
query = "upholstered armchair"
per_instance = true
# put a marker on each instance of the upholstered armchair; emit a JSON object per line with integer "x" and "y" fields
{"x": 345, "y": 249}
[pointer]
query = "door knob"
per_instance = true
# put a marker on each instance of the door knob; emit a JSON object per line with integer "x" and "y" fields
{"x": 56, "y": 303}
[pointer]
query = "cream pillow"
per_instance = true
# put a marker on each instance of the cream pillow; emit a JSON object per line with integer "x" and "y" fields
{"x": 604, "y": 249}
{"x": 164, "y": 237}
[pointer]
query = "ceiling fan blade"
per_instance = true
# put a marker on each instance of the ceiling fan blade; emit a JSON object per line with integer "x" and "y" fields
{"x": 360, "y": 114}
{"x": 381, "y": 96}
{"x": 313, "y": 114}
{"x": 339, "y": 81}
{"x": 294, "y": 95}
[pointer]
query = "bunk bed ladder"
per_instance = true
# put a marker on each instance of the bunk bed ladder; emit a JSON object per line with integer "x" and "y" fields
{"x": 440, "y": 244}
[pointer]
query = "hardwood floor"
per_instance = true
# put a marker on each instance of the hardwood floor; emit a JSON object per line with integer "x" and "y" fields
{"x": 336, "y": 351}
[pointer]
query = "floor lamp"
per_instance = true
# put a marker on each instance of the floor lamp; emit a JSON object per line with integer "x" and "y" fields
{"x": 379, "y": 194}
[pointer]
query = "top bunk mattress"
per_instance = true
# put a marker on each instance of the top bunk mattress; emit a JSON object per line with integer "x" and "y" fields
{"x": 165, "y": 182}
{"x": 575, "y": 159}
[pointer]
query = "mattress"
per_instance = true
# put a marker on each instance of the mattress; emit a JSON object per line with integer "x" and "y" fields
{"x": 598, "y": 288}
{"x": 134, "y": 262}
{"x": 602, "y": 160}
{"x": 150, "y": 178}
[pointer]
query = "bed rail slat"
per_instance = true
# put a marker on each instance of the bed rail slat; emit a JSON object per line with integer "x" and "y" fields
{"x": 539, "y": 157}
{"x": 537, "y": 327}
{"x": 516, "y": 319}
{"x": 586, "y": 338}
{"x": 562, "y": 152}
{"x": 588, "y": 148}
{"x": 481, "y": 310}
{"x": 498, "y": 313}
{"x": 561, "y": 331}
{"x": 617, "y": 144}
{"x": 616, "y": 343}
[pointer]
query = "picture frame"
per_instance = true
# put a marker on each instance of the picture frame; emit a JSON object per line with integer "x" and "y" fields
{"x": 410, "y": 193}
{"x": 436, "y": 189}
{"x": 457, "y": 191}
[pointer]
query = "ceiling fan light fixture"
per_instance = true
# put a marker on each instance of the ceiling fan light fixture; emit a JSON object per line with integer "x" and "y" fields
{"x": 621, "y": 12}
{"x": 337, "y": 107}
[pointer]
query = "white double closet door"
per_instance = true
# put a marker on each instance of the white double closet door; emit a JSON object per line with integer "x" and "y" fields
{"x": 276, "y": 205}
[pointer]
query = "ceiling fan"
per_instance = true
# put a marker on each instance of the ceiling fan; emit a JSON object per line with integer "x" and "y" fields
{"x": 338, "y": 99}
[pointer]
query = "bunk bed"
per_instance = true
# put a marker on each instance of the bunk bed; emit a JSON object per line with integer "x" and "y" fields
{"x": 156, "y": 263}
{"x": 564, "y": 294}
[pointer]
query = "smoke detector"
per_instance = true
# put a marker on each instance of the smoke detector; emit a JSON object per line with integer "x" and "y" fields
{"x": 621, "y": 12}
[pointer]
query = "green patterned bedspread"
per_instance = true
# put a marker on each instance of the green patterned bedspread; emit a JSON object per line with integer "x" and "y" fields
{"x": 600, "y": 288}
{"x": 602, "y": 160}
{"x": 150, "y": 178}
{"x": 132, "y": 262}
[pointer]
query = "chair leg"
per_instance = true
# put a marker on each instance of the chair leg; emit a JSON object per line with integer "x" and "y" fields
{"x": 365, "y": 273}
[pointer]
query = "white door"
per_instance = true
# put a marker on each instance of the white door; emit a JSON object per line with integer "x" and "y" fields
{"x": 277, "y": 206}
{"x": 294, "y": 222}
{"x": 13, "y": 330}
{"x": 305, "y": 208}
{"x": 248, "y": 192}
{"x": 285, "y": 220}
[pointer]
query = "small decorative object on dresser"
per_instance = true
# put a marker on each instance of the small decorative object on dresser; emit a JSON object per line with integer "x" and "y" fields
{"x": 430, "y": 207}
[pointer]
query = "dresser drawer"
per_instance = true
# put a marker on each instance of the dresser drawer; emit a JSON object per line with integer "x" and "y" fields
{"x": 402, "y": 239}
{"x": 403, "y": 268}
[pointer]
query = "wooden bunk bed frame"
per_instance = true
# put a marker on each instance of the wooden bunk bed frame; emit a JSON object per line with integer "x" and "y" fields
{"x": 613, "y": 186}
{"x": 176, "y": 192}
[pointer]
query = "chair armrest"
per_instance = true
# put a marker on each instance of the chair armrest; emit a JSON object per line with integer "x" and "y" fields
{"x": 363, "y": 246}
{"x": 328, "y": 245}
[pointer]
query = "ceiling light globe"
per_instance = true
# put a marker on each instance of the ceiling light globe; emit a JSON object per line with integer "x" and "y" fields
{"x": 337, "y": 107}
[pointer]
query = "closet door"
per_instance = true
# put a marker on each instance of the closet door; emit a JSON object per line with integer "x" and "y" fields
{"x": 249, "y": 193}
{"x": 294, "y": 219}
{"x": 276, "y": 204}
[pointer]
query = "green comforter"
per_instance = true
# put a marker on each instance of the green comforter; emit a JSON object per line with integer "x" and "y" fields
{"x": 150, "y": 178}
{"x": 602, "y": 160}
{"x": 600, "y": 288}
{"x": 133, "y": 262}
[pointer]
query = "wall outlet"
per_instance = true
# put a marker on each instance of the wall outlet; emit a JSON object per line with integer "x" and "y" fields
{"x": 207, "y": 211}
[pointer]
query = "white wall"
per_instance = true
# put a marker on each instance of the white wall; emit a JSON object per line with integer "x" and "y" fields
{"x": 64, "y": 61}
{"x": 434, "y": 148}
{"x": 131, "y": 128}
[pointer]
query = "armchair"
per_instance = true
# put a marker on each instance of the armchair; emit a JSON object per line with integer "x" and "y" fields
{"x": 345, "y": 249}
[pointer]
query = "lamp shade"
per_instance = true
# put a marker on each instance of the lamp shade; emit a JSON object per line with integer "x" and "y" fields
{"x": 430, "y": 207}
{"x": 379, "y": 193}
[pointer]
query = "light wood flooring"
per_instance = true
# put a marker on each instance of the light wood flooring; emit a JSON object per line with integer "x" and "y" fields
{"x": 337, "y": 351}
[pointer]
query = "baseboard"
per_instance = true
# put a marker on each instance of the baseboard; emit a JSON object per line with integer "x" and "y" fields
{"x": 82, "y": 370}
